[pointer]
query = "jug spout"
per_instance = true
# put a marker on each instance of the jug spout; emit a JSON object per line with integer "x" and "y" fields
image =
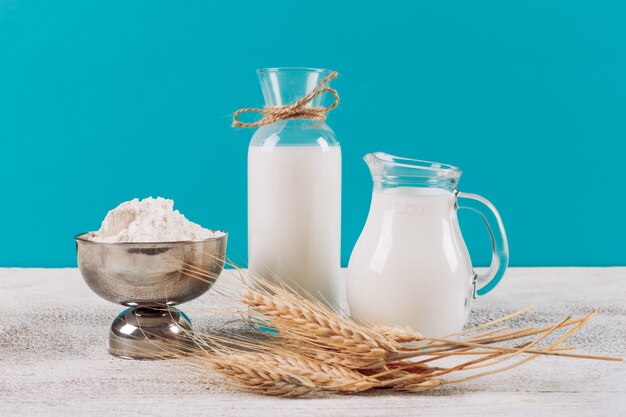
{"x": 372, "y": 163}
{"x": 389, "y": 171}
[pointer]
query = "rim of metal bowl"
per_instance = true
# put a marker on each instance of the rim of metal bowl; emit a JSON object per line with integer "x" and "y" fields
{"x": 82, "y": 237}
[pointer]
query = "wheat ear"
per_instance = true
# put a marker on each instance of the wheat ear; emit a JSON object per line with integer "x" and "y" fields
{"x": 321, "y": 334}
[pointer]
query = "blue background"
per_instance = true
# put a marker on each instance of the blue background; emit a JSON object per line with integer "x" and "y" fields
{"x": 101, "y": 102}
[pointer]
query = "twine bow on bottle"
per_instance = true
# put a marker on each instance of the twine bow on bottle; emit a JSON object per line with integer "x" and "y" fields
{"x": 295, "y": 110}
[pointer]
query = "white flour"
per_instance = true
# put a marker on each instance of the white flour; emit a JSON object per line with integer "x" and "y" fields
{"x": 149, "y": 220}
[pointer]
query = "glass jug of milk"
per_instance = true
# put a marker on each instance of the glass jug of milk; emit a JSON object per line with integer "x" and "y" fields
{"x": 410, "y": 266}
{"x": 294, "y": 192}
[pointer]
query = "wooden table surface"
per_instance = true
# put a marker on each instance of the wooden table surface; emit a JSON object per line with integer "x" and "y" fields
{"x": 53, "y": 358}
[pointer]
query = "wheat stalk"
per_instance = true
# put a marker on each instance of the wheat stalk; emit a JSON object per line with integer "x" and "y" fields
{"x": 319, "y": 332}
{"x": 286, "y": 366}
{"x": 261, "y": 377}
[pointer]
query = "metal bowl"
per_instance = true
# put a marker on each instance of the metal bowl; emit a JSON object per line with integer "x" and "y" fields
{"x": 150, "y": 274}
{"x": 150, "y": 278}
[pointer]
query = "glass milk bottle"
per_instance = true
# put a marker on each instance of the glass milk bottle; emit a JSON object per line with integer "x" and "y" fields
{"x": 294, "y": 187}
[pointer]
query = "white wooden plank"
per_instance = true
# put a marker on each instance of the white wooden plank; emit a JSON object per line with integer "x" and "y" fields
{"x": 53, "y": 358}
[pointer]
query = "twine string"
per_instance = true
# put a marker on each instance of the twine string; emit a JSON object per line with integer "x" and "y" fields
{"x": 295, "y": 110}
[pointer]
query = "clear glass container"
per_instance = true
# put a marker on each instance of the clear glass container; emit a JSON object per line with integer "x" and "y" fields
{"x": 294, "y": 191}
{"x": 410, "y": 266}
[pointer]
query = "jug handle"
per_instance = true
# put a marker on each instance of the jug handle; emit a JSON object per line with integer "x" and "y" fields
{"x": 499, "y": 242}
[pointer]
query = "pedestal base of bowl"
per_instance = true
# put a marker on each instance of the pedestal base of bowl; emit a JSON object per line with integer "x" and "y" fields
{"x": 150, "y": 333}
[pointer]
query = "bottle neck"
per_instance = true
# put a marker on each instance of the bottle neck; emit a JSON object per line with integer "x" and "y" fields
{"x": 283, "y": 86}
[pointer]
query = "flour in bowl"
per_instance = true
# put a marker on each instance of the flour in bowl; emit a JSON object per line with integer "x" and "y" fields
{"x": 149, "y": 220}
